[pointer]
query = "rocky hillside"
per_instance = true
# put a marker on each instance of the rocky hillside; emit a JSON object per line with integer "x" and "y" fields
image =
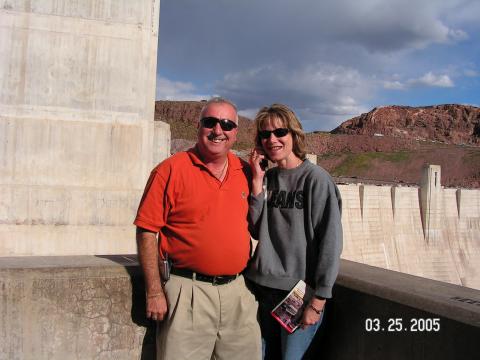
{"x": 451, "y": 124}
{"x": 354, "y": 151}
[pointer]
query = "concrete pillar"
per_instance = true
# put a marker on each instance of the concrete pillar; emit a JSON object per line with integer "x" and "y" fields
{"x": 76, "y": 123}
{"x": 161, "y": 142}
{"x": 312, "y": 158}
{"x": 430, "y": 202}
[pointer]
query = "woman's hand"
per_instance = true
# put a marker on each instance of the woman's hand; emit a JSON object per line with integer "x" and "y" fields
{"x": 310, "y": 316}
{"x": 256, "y": 157}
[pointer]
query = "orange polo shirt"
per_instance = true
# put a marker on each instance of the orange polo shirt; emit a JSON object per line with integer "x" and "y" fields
{"x": 202, "y": 222}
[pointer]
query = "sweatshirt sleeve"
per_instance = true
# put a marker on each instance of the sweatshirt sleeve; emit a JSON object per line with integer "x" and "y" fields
{"x": 326, "y": 215}
{"x": 255, "y": 212}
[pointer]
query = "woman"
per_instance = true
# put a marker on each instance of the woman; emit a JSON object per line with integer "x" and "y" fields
{"x": 297, "y": 221}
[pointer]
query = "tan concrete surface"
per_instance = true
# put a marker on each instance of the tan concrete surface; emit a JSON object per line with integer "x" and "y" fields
{"x": 384, "y": 227}
{"x": 353, "y": 235}
{"x": 86, "y": 307}
{"x": 377, "y": 218}
{"x": 466, "y": 246}
{"x": 73, "y": 308}
{"x": 76, "y": 123}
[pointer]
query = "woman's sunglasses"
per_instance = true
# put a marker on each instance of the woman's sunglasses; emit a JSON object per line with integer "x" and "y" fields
{"x": 210, "y": 122}
{"x": 280, "y": 132}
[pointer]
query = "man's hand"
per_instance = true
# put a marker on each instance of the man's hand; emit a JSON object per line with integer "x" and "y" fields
{"x": 310, "y": 316}
{"x": 156, "y": 303}
{"x": 156, "y": 306}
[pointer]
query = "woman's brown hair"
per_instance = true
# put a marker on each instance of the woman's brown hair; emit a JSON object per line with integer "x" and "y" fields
{"x": 289, "y": 120}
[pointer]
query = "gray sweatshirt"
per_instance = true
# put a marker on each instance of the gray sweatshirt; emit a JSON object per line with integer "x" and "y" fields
{"x": 298, "y": 225}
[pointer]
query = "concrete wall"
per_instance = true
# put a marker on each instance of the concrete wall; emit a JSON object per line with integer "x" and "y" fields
{"x": 85, "y": 307}
{"x": 76, "y": 123}
{"x": 312, "y": 158}
{"x": 428, "y": 231}
{"x": 73, "y": 308}
{"x": 466, "y": 245}
{"x": 397, "y": 302}
{"x": 161, "y": 142}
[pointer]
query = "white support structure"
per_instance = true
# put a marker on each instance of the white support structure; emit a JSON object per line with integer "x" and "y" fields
{"x": 76, "y": 123}
{"x": 431, "y": 202}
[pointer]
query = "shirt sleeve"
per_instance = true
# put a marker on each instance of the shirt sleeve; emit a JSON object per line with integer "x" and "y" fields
{"x": 255, "y": 212}
{"x": 154, "y": 205}
{"x": 328, "y": 235}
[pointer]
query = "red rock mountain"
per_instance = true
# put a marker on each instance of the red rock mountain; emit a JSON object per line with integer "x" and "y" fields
{"x": 412, "y": 137}
{"x": 452, "y": 124}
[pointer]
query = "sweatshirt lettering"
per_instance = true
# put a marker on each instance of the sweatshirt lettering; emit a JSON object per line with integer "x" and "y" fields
{"x": 286, "y": 199}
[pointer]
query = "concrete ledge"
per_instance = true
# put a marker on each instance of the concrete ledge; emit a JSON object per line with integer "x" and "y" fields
{"x": 93, "y": 307}
{"x": 382, "y": 314}
{"x": 79, "y": 307}
{"x": 454, "y": 302}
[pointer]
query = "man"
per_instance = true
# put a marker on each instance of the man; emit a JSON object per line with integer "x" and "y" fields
{"x": 197, "y": 203}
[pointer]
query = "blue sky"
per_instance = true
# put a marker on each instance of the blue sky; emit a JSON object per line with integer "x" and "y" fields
{"x": 329, "y": 60}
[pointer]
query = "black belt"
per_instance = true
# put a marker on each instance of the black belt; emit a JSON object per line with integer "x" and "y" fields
{"x": 214, "y": 280}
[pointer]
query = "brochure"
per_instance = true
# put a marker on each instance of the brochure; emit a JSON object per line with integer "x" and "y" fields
{"x": 289, "y": 311}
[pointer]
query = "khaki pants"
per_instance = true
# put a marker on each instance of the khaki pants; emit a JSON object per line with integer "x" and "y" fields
{"x": 209, "y": 322}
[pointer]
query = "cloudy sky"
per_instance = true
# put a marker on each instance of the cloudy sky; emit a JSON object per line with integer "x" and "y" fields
{"x": 329, "y": 60}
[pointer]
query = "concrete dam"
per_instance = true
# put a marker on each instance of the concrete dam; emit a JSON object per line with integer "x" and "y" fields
{"x": 428, "y": 231}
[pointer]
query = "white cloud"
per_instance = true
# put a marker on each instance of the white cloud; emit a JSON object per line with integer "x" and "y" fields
{"x": 176, "y": 90}
{"x": 432, "y": 80}
{"x": 394, "y": 85}
{"x": 455, "y": 35}
{"x": 427, "y": 80}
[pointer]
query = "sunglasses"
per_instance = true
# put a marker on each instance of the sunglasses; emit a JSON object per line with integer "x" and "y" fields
{"x": 280, "y": 132}
{"x": 210, "y": 122}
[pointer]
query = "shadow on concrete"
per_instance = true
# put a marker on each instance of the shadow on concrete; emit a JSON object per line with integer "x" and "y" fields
{"x": 138, "y": 310}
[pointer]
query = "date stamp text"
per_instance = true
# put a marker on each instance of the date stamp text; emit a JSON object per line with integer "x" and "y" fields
{"x": 399, "y": 325}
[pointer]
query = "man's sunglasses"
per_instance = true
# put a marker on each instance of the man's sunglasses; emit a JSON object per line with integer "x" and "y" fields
{"x": 280, "y": 132}
{"x": 210, "y": 122}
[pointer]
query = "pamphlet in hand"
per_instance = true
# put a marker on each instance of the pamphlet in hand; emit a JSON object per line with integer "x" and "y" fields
{"x": 289, "y": 311}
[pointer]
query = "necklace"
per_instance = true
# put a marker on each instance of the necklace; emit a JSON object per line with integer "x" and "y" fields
{"x": 300, "y": 162}
{"x": 220, "y": 175}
